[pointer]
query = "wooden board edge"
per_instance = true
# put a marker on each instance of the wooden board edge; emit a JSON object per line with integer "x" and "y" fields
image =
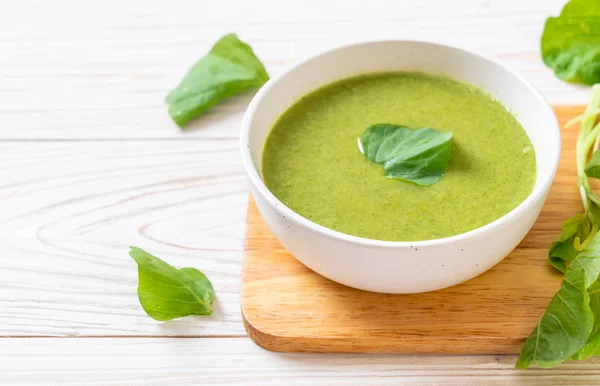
{"x": 373, "y": 345}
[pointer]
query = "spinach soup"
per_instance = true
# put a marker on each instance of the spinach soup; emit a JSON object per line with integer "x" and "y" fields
{"x": 311, "y": 161}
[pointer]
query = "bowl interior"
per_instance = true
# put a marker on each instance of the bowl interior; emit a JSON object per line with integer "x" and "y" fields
{"x": 520, "y": 98}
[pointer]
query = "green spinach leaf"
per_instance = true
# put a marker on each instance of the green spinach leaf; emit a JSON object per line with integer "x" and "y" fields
{"x": 592, "y": 169}
{"x": 167, "y": 293}
{"x": 420, "y": 156}
{"x": 228, "y": 69}
{"x": 571, "y": 42}
{"x": 574, "y": 232}
{"x": 592, "y": 346}
{"x": 581, "y": 8}
{"x": 566, "y": 325}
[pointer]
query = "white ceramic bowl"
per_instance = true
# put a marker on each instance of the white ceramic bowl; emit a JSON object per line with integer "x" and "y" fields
{"x": 400, "y": 267}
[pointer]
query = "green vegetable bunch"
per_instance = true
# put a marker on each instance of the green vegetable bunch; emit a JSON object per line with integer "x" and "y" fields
{"x": 570, "y": 326}
{"x": 579, "y": 230}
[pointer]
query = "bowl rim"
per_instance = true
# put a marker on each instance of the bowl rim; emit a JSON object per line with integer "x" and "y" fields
{"x": 290, "y": 214}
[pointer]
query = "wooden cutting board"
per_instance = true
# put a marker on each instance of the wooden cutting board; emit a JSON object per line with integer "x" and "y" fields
{"x": 288, "y": 307}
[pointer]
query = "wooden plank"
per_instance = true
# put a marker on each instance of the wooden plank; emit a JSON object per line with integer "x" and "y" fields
{"x": 69, "y": 211}
{"x": 287, "y": 307}
{"x": 100, "y": 70}
{"x": 210, "y": 361}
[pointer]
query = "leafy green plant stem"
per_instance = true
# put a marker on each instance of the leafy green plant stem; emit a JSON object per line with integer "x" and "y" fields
{"x": 570, "y": 326}
{"x": 588, "y": 138}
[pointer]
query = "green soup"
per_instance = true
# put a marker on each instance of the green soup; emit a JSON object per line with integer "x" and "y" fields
{"x": 311, "y": 160}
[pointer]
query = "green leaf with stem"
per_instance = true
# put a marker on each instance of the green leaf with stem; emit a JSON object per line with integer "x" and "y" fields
{"x": 166, "y": 292}
{"x": 578, "y": 230}
{"x": 566, "y": 325}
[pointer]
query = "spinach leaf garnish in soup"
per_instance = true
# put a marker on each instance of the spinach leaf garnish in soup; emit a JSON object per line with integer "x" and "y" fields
{"x": 312, "y": 165}
{"x": 420, "y": 156}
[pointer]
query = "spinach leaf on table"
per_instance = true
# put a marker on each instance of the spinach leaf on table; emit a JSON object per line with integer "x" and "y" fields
{"x": 420, "y": 156}
{"x": 166, "y": 292}
{"x": 571, "y": 42}
{"x": 228, "y": 69}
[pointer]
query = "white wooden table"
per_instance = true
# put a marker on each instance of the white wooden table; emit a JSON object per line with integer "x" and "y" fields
{"x": 91, "y": 163}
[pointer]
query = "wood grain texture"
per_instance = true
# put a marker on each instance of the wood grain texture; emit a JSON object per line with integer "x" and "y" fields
{"x": 287, "y": 307}
{"x": 69, "y": 211}
{"x": 101, "y": 69}
{"x": 225, "y": 361}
